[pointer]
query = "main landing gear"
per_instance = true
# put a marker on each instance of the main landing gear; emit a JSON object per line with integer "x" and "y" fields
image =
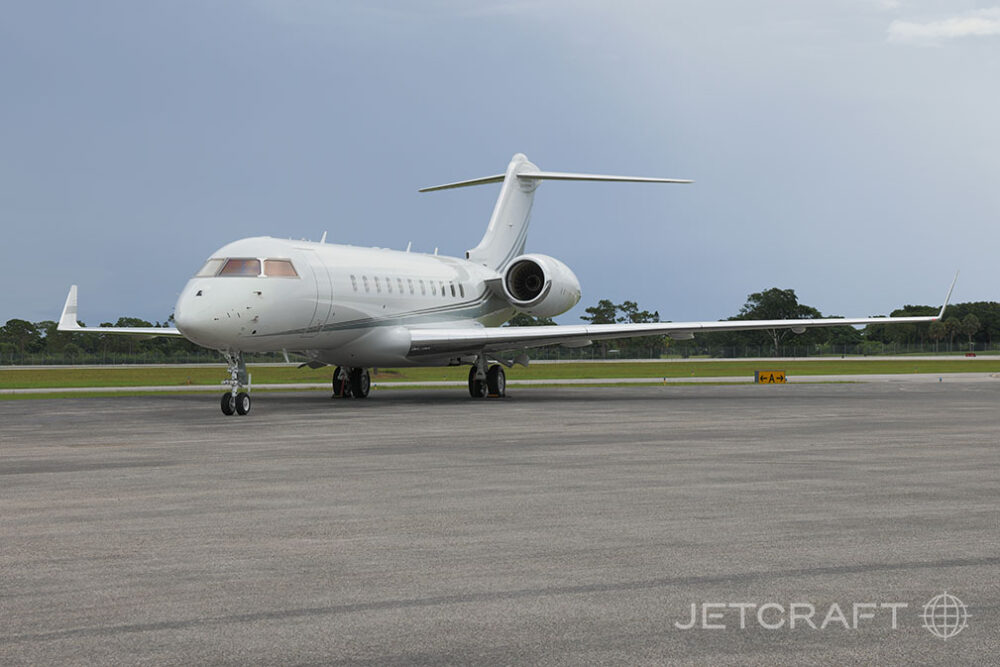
{"x": 485, "y": 381}
{"x": 236, "y": 401}
{"x": 347, "y": 382}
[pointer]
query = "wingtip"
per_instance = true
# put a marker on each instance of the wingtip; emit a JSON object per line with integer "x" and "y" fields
{"x": 67, "y": 321}
{"x": 948, "y": 297}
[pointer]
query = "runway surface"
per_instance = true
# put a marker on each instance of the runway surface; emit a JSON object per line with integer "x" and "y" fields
{"x": 557, "y": 526}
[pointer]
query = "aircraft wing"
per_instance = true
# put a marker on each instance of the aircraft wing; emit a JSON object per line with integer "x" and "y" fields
{"x": 494, "y": 339}
{"x": 67, "y": 322}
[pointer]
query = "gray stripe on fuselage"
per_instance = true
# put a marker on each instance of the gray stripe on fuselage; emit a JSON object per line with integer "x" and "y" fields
{"x": 367, "y": 322}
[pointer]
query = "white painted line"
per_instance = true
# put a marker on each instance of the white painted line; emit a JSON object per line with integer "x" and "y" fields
{"x": 898, "y": 377}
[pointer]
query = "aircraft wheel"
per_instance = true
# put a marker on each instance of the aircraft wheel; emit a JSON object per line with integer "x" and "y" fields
{"x": 341, "y": 383}
{"x": 477, "y": 388}
{"x": 361, "y": 382}
{"x": 242, "y": 403}
{"x": 496, "y": 381}
{"x": 228, "y": 404}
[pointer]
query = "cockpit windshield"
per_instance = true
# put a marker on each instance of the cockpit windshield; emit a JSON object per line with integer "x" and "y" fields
{"x": 247, "y": 267}
{"x": 279, "y": 268}
{"x": 211, "y": 268}
{"x": 241, "y": 267}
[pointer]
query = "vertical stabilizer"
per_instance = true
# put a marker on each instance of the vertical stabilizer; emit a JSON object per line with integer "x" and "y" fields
{"x": 508, "y": 229}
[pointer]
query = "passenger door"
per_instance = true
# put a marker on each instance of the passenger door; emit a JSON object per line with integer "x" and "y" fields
{"x": 324, "y": 294}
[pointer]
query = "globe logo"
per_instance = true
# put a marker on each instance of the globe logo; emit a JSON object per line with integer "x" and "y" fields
{"x": 945, "y": 616}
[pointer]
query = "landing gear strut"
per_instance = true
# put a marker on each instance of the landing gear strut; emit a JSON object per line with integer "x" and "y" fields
{"x": 236, "y": 401}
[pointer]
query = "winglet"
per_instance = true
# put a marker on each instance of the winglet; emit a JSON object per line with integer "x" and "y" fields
{"x": 947, "y": 298}
{"x": 67, "y": 322}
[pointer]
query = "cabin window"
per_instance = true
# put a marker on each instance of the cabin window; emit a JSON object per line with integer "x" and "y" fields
{"x": 378, "y": 285}
{"x": 452, "y": 288}
{"x": 399, "y": 281}
{"x": 433, "y": 288}
{"x": 279, "y": 268}
{"x": 461, "y": 290}
{"x": 423, "y": 288}
{"x": 442, "y": 289}
{"x": 365, "y": 280}
{"x": 409, "y": 281}
{"x": 211, "y": 268}
{"x": 241, "y": 267}
{"x": 388, "y": 285}
{"x": 354, "y": 282}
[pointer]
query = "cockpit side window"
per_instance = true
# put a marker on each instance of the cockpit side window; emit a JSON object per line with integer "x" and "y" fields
{"x": 279, "y": 268}
{"x": 210, "y": 269}
{"x": 241, "y": 267}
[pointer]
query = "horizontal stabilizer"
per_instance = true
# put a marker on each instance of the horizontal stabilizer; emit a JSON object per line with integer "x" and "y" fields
{"x": 562, "y": 176}
{"x": 554, "y": 176}
{"x": 464, "y": 184}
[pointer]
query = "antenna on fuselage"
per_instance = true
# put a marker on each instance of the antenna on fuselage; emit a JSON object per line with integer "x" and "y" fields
{"x": 435, "y": 251}
{"x": 322, "y": 239}
{"x": 409, "y": 245}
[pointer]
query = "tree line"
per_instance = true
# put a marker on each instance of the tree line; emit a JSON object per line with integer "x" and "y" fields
{"x": 969, "y": 323}
{"x": 963, "y": 324}
{"x": 20, "y": 340}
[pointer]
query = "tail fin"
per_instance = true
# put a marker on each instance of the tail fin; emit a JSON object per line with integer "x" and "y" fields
{"x": 508, "y": 229}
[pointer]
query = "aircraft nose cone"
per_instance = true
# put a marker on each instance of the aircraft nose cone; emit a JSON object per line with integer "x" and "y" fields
{"x": 184, "y": 318}
{"x": 194, "y": 318}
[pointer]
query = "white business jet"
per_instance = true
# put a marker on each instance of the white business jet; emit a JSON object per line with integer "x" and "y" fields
{"x": 357, "y": 308}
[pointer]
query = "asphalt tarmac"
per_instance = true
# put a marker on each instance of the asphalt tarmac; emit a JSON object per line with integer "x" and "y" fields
{"x": 557, "y": 526}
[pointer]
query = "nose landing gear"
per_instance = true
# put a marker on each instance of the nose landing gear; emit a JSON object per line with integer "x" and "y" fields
{"x": 236, "y": 401}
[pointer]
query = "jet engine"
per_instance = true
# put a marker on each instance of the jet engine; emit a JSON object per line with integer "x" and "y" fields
{"x": 540, "y": 285}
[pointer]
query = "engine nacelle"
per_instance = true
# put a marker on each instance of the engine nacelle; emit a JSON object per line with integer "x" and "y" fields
{"x": 540, "y": 285}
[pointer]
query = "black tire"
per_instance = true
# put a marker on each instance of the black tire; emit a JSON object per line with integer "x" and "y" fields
{"x": 242, "y": 403}
{"x": 361, "y": 382}
{"x": 496, "y": 381}
{"x": 341, "y": 383}
{"x": 228, "y": 404}
{"x": 477, "y": 388}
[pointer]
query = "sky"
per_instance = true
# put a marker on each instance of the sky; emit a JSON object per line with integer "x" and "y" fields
{"x": 849, "y": 150}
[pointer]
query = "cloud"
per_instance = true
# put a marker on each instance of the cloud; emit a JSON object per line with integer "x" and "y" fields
{"x": 978, "y": 23}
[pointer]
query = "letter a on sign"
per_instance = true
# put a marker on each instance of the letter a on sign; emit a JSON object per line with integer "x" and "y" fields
{"x": 769, "y": 377}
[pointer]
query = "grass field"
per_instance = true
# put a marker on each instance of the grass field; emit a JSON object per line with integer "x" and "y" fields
{"x": 138, "y": 376}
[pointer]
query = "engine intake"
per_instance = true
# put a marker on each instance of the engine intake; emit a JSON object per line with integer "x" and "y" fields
{"x": 540, "y": 285}
{"x": 525, "y": 280}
